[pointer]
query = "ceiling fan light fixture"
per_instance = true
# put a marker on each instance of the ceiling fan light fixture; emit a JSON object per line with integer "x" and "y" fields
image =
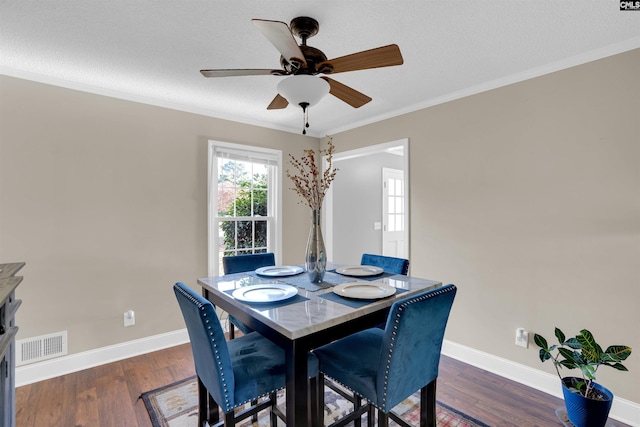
{"x": 303, "y": 88}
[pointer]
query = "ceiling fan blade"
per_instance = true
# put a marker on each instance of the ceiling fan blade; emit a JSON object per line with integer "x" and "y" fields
{"x": 384, "y": 56}
{"x": 347, "y": 94}
{"x": 278, "y": 103}
{"x": 241, "y": 72}
{"x": 279, "y": 34}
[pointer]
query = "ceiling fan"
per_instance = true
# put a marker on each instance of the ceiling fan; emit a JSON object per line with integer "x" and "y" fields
{"x": 303, "y": 62}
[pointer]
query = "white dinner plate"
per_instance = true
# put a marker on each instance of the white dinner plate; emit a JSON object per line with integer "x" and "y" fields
{"x": 364, "y": 290}
{"x": 269, "y": 292}
{"x": 360, "y": 270}
{"x": 279, "y": 270}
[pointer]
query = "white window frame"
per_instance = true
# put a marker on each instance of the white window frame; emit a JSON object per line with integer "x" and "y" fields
{"x": 246, "y": 152}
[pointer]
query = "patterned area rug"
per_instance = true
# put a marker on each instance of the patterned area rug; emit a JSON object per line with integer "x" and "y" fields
{"x": 176, "y": 405}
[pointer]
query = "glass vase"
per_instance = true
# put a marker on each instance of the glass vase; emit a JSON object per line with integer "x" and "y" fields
{"x": 315, "y": 259}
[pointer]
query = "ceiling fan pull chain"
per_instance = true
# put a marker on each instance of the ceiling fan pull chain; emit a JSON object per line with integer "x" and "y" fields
{"x": 305, "y": 117}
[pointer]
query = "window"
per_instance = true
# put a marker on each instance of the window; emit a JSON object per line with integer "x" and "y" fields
{"x": 244, "y": 188}
{"x": 395, "y": 204}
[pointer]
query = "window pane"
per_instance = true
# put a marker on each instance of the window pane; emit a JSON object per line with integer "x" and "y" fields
{"x": 260, "y": 173}
{"x": 259, "y": 203}
{"x": 244, "y": 234}
{"x": 399, "y": 205}
{"x": 399, "y": 188}
{"x": 260, "y": 234}
{"x": 227, "y": 237}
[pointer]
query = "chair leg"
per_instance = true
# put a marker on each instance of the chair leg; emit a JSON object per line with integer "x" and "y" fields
{"x": 371, "y": 416}
{"x": 232, "y": 331}
{"x": 320, "y": 398}
{"x": 229, "y": 419}
{"x": 383, "y": 419}
{"x": 273, "y": 415}
{"x": 254, "y": 417}
{"x": 314, "y": 402}
{"x": 207, "y": 407}
{"x": 357, "y": 402}
{"x": 214, "y": 414}
{"x": 428, "y": 405}
{"x": 203, "y": 407}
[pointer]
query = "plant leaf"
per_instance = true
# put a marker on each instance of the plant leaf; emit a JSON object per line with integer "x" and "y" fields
{"x": 590, "y": 348}
{"x": 573, "y": 343}
{"x": 560, "y": 335}
{"x": 569, "y": 356}
{"x": 618, "y": 366}
{"x": 621, "y": 352}
{"x": 567, "y": 364}
{"x": 540, "y": 341}
{"x": 544, "y": 355}
{"x": 588, "y": 371}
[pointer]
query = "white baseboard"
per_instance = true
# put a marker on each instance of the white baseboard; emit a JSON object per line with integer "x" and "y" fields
{"x": 52, "y": 368}
{"x": 622, "y": 410}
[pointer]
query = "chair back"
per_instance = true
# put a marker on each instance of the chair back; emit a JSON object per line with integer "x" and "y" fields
{"x": 248, "y": 262}
{"x": 412, "y": 343}
{"x": 208, "y": 344}
{"x": 387, "y": 263}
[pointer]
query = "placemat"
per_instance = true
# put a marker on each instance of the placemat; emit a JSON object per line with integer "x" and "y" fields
{"x": 269, "y": 305}
{"x": 352, "y": 302}
{"x": 302, "y": 281}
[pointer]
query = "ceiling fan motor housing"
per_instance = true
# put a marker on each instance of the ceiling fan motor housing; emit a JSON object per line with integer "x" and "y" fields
{"x": 304, "y": 27}
{"x": 313, "y": 57}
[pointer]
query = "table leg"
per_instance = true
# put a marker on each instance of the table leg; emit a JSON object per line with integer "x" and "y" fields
{"x": 298, "y": 414}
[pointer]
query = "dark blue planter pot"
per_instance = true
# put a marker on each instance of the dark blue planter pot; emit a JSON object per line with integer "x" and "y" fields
{"x": 583, "y": 412}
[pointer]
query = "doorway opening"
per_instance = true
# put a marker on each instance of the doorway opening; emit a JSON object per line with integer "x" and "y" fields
{"x": 358, "y": 207}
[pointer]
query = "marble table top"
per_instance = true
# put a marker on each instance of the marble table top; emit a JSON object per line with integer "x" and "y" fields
{"x": 312, "y": 312}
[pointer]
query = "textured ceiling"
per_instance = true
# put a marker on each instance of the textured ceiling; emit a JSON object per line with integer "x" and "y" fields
{"x": 151, "y": 51}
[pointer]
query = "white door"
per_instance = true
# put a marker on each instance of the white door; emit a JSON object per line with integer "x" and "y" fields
{"x": 393, "y": 213}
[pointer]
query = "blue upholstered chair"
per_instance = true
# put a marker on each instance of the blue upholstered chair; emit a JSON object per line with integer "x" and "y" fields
{"x": 248, "y": 262}
{"x": 387, "y": 366}
{"x": 240, "y": 264}
{"x": 387, "y": 263}
{"x": 232, "y": 373}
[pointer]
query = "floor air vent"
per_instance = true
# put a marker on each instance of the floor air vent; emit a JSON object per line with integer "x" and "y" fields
{"x": 44, "y": 347}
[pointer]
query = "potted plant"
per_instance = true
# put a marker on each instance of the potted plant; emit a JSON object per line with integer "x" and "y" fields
{"x": 587, "y": 402}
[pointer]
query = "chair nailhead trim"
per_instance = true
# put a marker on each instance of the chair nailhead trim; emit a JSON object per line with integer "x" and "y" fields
{"x": 214, "y": 345}
{"x": 394, "y": 333}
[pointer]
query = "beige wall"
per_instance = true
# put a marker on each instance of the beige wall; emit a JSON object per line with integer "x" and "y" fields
{"x": 528, "y": 198}
{"x": 106, "y": 201}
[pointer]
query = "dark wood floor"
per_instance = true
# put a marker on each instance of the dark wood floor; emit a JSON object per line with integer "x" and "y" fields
{"x": 107, "y": 396}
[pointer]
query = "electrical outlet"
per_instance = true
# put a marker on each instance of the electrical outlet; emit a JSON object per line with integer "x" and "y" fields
{"x": 522, "y": 338}
{"x": 129, "y": 318}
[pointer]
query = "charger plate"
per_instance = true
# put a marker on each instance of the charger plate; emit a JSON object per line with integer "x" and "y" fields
{"x": 279, "y": 270}
{"x": 360, "y": 270}
{"x": 364, "y": 290}
{"x": 268, "y": 292}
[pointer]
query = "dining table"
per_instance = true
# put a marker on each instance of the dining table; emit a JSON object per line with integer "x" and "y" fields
{"x": 300, "y": 316}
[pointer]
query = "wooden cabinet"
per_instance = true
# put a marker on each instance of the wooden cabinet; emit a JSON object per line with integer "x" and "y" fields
{"x": 8, "y": 330}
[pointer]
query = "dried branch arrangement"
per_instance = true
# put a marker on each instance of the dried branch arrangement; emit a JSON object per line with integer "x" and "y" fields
{"x": 308, "y": 182}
